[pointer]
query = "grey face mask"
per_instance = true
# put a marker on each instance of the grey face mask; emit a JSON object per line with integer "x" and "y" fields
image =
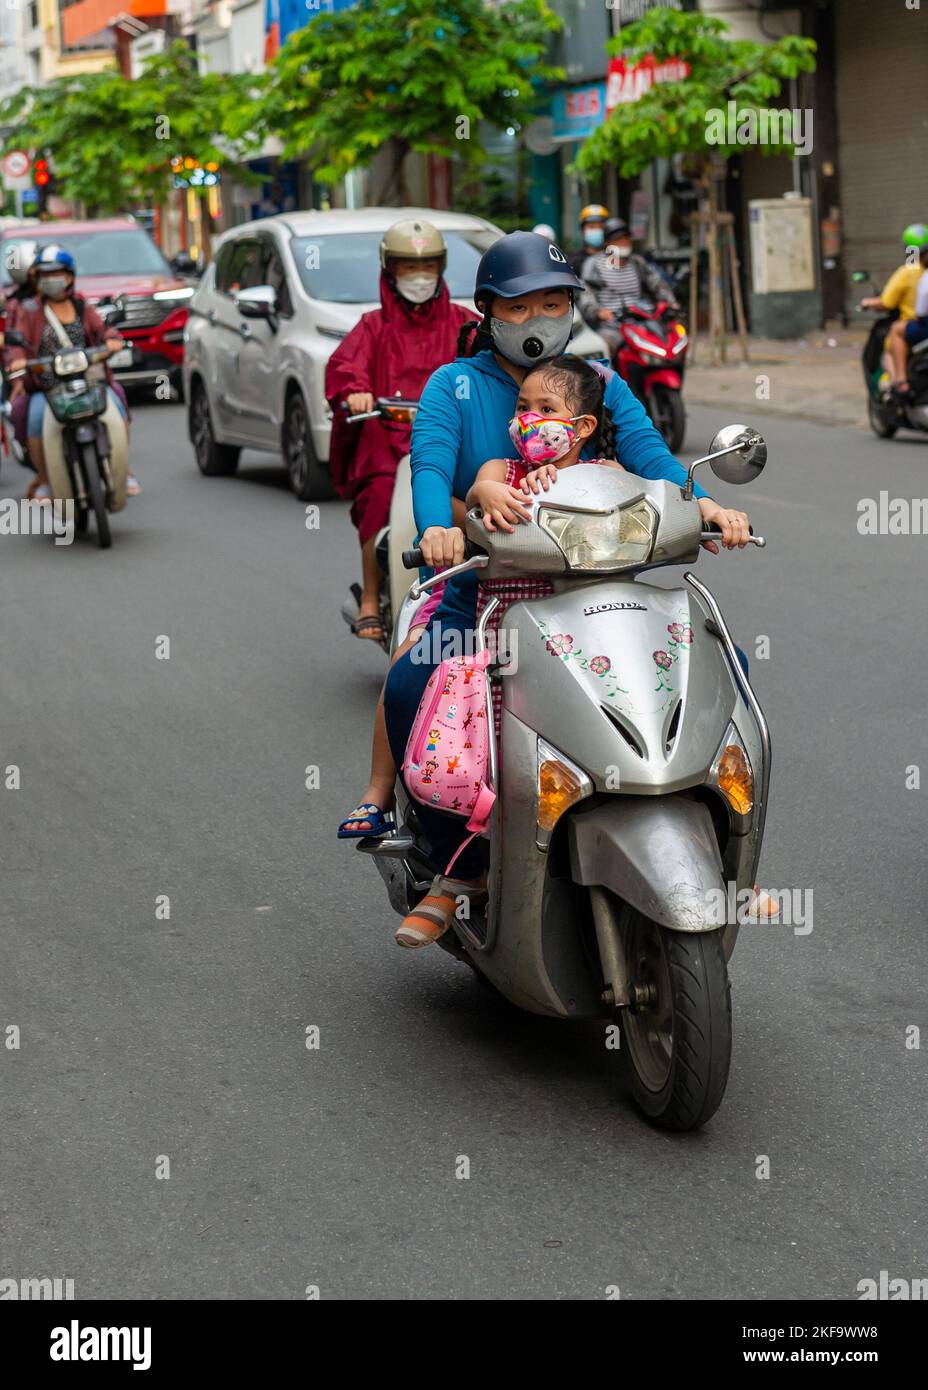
{"x": 533, "y": 341}
{"x": 54, "y": 286}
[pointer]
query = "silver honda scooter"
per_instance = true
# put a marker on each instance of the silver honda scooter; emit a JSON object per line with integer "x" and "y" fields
{"x": 631, "y": 777}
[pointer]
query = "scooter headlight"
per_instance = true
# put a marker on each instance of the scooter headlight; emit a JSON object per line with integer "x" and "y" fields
{"x": 71, "y": 362}
{"x": 645, "y": 345}
{"x": 601, "y": 542}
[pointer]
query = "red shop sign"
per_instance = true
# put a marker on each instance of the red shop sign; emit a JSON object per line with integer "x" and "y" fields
{"x": 626, "y": 82}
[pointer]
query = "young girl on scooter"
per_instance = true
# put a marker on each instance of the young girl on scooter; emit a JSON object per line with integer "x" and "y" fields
{"x": 559, "y": 411}
{"x": 506, "y": 502}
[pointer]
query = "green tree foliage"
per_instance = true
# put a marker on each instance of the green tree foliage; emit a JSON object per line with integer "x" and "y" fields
{"x": 408, "y": 74}
{"x": 110, "y": 139}
{"x": 671, "y": 118}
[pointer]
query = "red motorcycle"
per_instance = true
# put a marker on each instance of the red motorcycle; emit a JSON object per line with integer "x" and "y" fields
{"x": 650, "y": 358}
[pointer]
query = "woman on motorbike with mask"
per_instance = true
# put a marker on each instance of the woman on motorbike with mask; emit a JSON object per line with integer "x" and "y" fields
{"x": 53, "y": 313}
{"x": 525, "y": 291}
{"x": 392, "y": 351}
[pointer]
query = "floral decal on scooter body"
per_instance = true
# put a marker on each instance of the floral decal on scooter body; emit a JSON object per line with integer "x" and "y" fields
{"x": 681, "y": 637}
{"x": 561, "y": 644}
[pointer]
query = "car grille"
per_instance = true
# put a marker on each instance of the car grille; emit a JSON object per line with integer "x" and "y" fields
{"x": 137, "y": 312}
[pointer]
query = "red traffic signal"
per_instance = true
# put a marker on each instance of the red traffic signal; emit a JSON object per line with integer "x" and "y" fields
{"x": 40, "y": 172}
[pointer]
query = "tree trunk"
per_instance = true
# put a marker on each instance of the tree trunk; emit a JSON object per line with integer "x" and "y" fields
{"x": 395, "y": 191}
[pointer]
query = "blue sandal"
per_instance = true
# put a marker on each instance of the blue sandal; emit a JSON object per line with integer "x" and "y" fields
{"x": 380, "y": 823}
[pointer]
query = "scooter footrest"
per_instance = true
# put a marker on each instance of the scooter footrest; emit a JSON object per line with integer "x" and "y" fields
{"x": 388, "y": 847}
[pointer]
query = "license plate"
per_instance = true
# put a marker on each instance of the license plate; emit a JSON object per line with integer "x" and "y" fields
{"x": 123, "y": 358}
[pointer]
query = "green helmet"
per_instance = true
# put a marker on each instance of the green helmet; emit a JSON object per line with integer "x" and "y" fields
{"x": 916, "y": 234}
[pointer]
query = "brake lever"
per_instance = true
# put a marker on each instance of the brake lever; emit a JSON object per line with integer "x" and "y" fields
{"x": 365, "y": 415}
{"x": 476, "y": 562}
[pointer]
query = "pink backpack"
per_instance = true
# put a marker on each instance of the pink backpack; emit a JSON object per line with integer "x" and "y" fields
{"x": 447, "y": 756}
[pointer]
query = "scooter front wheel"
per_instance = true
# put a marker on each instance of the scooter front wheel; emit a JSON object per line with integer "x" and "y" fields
{"x": 883, "y": 420}
{"x": 678, "y": 1034}
{"x": 90, "y": 467}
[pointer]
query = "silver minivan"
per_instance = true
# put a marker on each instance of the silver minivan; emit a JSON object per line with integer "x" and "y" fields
{"x": 271, "y": 308}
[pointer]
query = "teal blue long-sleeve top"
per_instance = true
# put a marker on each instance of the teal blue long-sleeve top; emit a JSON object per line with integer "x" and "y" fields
{"x": 463, "y": 420}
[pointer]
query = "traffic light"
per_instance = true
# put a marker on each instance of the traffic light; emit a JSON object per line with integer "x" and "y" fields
{"x": 43, "y": 181}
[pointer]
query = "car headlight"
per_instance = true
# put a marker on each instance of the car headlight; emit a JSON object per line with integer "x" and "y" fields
{"x": 602, "y": 541}
{"x": 182, "y": 292}
{"x": 70, "y": 362}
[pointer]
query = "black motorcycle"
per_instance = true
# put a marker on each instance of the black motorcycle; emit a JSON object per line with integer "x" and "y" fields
{"x": 886, "y": 412}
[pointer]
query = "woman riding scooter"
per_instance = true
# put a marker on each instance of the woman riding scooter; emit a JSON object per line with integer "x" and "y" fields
{"x": 616, "y": 277}
{"x": 53, "y": 317}
{"x": 392, "y": 351}
{"x": 900, "y": 293}
{"x": 525, "y": 291}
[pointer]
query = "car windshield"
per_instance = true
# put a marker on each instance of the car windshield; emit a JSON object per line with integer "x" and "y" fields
{"x": 129, "y": 252}
{"x": 345, "y": 268}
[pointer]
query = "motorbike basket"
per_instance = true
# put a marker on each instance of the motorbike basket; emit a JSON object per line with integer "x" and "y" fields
{"x": 69, "y": 404}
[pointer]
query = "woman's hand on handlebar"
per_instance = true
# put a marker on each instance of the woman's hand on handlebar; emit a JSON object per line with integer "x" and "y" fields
{"x": 442, "y": 546}
{"x": 18, "y": 385}
{"x": 360, "y": 402}
{"x": 734, "y": 526}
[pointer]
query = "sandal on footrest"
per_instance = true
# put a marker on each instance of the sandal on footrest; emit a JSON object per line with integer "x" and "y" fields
{"x": 380, "y": 824}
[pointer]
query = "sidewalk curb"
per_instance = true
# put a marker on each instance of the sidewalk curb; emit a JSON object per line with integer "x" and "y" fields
{"x": 720, "y": 399}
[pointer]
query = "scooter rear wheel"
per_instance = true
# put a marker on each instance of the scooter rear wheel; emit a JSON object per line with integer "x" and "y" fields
{"x": 90, "y": 466}
{"x": 669, "y": 416}
{"x": 678, "y": 1038}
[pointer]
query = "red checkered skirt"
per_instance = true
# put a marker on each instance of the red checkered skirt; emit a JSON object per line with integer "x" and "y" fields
{"x": 507, "y": 591}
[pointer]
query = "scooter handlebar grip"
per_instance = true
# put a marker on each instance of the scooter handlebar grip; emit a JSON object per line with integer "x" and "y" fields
{"x": 412, "y": 559}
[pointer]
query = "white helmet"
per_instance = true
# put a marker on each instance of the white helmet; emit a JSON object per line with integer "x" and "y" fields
{"x": 543, "y": 229}
{"x": 19, "y": 257}
{"x": 413, "y": 239}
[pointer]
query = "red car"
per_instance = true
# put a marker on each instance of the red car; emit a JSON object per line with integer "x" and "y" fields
{"x": 122, "y": 272}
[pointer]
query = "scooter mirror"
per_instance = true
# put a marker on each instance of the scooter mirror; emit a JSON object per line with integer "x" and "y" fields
{"x": 744, "y": 465}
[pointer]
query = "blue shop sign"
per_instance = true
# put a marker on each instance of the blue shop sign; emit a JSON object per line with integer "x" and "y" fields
{"x": 577, "y": 111}
{"x": 289, "y": 15}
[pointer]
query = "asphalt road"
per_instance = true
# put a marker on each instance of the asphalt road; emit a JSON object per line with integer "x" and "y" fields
{"x": 144, "y": 1038}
